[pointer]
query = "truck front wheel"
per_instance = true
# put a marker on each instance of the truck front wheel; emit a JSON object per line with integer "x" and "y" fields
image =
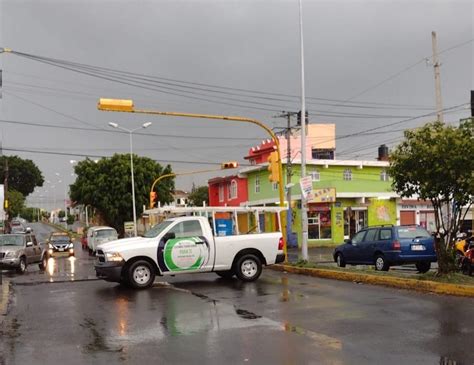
{"x": 140, "y": 275}
{"x": 248, "y": 267}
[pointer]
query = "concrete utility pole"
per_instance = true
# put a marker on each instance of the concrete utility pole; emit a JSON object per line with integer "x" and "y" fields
{"x": 289, "y": 172}
{"x": 436, "y": 65}
{"x": 304, "y": 207}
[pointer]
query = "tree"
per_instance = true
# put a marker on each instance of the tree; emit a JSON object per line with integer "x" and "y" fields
{"x": 199, "y": 195}
{"x": 106, "y": 186}
{"x": 436, "y": 163}
{"x": 16, "y": 203}
{"x": 23, "y": 175}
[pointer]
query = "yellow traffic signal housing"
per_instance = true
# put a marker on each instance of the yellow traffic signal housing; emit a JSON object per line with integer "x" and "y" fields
{"x": 115, "y": 105}
{"x": 229, "y": 165}
{"x": 273, "y": 167}
{"x": 152, "y": 199}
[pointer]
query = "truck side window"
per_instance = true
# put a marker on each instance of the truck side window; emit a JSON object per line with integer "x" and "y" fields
{"x": 187, "y": 229}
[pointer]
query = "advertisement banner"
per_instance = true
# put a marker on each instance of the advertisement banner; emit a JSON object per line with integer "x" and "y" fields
{"x": 306, "y": 184}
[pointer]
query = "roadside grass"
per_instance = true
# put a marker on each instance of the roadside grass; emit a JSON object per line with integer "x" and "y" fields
{"x": 452, "y": 278}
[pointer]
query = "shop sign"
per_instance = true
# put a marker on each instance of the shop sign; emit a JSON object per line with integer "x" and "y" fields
{"x": 306, "y": 184}
{"x": 325, "y": 195}
{"x": 319, "y": 207}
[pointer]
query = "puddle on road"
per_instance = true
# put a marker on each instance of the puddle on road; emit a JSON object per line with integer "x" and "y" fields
{"x": 98, "y": 343}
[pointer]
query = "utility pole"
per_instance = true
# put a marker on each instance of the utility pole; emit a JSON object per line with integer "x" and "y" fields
{"x": 436, "y": 66}
{"x": 304, "y": 207}
{"x": 289, "y": 173}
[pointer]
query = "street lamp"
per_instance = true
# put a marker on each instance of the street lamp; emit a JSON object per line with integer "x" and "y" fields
{"x": 65, "y": 199}
{"x": 130, "y": 132}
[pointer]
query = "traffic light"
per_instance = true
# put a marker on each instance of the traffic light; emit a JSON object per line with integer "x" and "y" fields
{"x": 298, "y": 117}
{"x": 273, "y": 167}
{"x": 152, "y": 199}
{"x": 229, "y": 165}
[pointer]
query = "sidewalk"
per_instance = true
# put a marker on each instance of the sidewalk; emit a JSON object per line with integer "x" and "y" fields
{"x": 317, "y": 255}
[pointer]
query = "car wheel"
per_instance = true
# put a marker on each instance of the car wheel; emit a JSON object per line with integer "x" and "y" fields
{"x": 423, "y": 266}
{"x": 381, "y": 263}
{"x": 140, "y": 274}
{"x": 248, "y": 268}
{"x": 228, "y": 274}
{"x": 340, "y": 260}
{"x": 44, "y": 262}
{"x": 23, "y": 266}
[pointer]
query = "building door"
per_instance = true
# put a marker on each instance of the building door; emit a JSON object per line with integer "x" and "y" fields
{"x": 407, "y": 217}
{"x": 354, "y": 221}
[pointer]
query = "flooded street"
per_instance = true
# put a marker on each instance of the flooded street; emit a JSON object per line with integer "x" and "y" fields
{"x": 64, "y": 315}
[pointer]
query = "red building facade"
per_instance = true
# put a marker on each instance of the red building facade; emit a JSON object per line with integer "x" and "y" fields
{"x": 227, "y": 191}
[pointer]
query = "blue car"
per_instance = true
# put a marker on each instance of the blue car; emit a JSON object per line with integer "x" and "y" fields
{"x": 385, "y": 246}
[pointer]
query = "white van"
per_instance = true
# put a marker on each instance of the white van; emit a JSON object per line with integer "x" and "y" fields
{"x": 98, "y": 235}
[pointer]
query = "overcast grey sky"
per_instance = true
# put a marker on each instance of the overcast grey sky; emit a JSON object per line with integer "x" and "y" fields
{"x": 350, "y": 46}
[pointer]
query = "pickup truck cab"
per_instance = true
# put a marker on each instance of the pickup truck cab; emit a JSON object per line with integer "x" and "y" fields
{"x": 184, "y": 245}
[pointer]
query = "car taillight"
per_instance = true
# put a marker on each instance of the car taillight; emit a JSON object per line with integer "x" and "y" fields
{"x": 396, "y": 245}
{"x": 280, "y": 244}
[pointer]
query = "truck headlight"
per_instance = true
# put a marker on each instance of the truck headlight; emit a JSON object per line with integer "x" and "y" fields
{"x": 113, "y": 256}
{"x": 12, "y": 254}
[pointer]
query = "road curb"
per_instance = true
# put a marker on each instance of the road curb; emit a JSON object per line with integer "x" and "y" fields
{"x": 4, "y": 297}
{"x": 401, "y": 283}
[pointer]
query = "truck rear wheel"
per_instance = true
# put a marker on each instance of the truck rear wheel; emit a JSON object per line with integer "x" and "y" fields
{"x": 248, "y": 267}
{"x": 140, "y": 275}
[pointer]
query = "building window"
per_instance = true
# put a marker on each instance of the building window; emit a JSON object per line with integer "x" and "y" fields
{"x": 274, "y": 186}
{"x": 233, "y": 189}
{"x": 257, "y": 184}
{"x": 384, "y": 175}
{"x": 228, "y": 191}
{"x": 221, "y": 192}
{"x": 347, "y": 175}
{"x": 319, "y": 225}
{"x": 315, "y": 175}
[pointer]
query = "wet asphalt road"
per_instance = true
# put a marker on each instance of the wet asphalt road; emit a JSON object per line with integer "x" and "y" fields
{"x": 64, "y": 315}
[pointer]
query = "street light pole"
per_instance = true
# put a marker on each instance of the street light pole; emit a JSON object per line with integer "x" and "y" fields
{"x": 304, "y": 207}
{"x": 130, "y": 132}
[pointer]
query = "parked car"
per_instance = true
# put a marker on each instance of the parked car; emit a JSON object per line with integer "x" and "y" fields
{"x": 186, "y": 245}
{"x": 386, "y": 246}
{"x": 17, "y": 251}
{"x": 60, "y": 242}
{"x": 98, "y": 235}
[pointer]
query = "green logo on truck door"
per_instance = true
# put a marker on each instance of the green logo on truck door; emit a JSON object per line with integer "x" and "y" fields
{"x": 188, "y": 253}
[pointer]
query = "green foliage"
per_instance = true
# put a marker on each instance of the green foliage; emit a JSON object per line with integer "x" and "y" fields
{"x": 23, "y": 175}
{"x": 70, "y": 219}
{"x": 106, "y": 186}
{"x": 61, "y": 214}
{"x": 199, "y": 195}
{"x": 16, "y": 203}
{"x": 436, "y": 162}
{"x": 30, "y": 214}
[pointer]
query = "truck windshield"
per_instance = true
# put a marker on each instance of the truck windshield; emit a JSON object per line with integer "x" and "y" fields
{"x": 106, "y": 233}
{"x": 11, "y": 240}
{"x": 157, "y": 229}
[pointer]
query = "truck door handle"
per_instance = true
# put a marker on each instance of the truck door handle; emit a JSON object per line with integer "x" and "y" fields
{"x": 199, "y": 242}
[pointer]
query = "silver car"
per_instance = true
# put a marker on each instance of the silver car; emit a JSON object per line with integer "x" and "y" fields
{"x": 17, "y": 251}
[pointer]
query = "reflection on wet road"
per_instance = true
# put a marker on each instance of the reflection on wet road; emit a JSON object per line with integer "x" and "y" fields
{"x": 281, "y": 319}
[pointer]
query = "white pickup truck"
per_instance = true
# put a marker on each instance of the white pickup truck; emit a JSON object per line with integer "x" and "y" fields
{"x": 186, "y": 245}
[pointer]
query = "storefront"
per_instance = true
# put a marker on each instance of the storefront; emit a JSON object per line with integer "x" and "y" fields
{"x": 417, "y": 212}
{"x": 331, "y": 223}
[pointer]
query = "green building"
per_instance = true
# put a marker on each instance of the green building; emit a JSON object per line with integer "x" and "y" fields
{"x": 363, "y": 197}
